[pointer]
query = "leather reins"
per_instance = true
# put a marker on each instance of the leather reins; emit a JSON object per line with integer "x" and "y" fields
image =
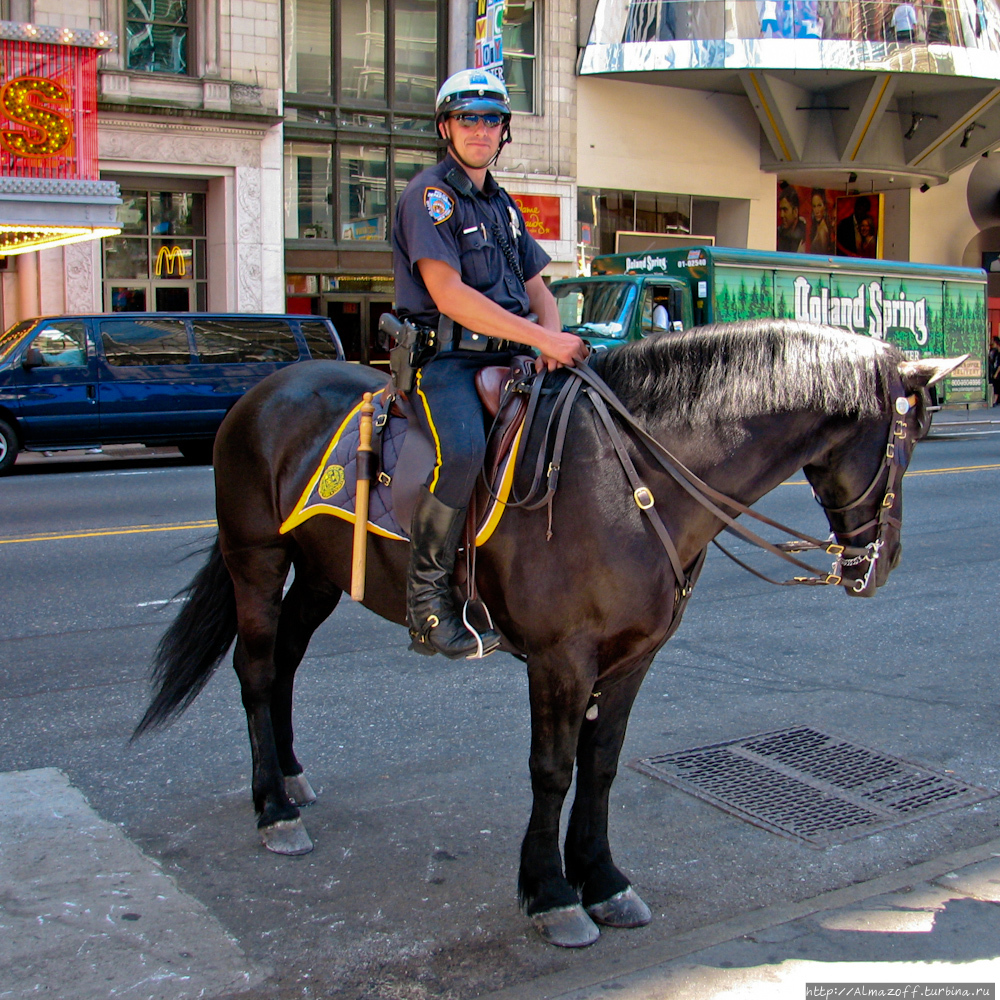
{"x": 602, "y": 397}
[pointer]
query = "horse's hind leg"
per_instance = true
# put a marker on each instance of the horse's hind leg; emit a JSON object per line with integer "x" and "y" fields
{"x": 258, "y": 577}
{"x": 305, "y": 607}
{"x": 607, "y": 894}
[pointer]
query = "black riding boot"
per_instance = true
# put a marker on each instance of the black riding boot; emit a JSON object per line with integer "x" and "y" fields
{"x": 435, "y": 625}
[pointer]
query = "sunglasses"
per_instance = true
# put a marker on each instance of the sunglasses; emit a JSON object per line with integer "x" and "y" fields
{"x": 471, "y": 121}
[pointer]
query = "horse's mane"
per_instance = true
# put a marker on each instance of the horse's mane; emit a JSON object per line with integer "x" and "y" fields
{"x": 739, "y": 370}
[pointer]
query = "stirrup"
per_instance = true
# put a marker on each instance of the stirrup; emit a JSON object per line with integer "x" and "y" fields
{"x": 480, "y": 651}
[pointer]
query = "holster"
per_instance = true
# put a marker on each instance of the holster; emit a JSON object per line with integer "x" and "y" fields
{"x": 409, "y": 345}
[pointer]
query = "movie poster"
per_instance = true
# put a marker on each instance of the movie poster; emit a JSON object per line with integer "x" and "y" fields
{"x": 859, "y": 225}
{"x": 826, "y": 222}
{"x": 806, "y": 219}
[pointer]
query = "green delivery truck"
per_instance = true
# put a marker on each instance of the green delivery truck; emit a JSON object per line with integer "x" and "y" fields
{"x": 924, "y": 309}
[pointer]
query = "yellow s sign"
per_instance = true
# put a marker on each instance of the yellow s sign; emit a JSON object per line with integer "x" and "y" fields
{"x": 49, "y": 132}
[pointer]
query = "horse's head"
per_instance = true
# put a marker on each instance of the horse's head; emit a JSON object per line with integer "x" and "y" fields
{"x": 858, "y": 481}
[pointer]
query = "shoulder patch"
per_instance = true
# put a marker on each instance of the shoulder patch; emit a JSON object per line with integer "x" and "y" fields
{"x": 438, "y": 204}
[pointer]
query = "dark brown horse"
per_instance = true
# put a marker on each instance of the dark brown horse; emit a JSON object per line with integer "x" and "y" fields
{"x": 743, "y": 406}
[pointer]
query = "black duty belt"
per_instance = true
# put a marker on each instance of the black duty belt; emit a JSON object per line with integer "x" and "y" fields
{"x": 454, "y": 337}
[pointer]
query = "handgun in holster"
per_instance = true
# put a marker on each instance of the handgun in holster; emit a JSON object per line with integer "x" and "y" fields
{"x": 409, "y": 345}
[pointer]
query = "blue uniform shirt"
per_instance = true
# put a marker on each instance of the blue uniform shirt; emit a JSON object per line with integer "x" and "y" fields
{"x": 442, "y": 216}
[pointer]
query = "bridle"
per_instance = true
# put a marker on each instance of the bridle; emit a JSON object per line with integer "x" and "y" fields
{"x": 884, "y": 518}
{"x": 718, "y": 504}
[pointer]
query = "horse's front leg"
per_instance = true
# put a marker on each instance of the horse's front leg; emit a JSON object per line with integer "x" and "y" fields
{"x": 607, "y": 894}
{"x": 258, "y": 576}
{"x": 559, "y": 688}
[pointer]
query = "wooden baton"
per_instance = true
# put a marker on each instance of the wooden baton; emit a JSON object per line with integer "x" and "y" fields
{"x": 364, "y": 476}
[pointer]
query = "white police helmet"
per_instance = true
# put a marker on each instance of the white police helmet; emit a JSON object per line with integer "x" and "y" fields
{"x": 475, "y": 90}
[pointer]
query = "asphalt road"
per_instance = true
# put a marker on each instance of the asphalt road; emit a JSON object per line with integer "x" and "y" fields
{"x": 421, "y": 764}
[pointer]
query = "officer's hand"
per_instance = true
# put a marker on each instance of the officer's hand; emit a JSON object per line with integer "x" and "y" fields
{"x": 561, "y": 348}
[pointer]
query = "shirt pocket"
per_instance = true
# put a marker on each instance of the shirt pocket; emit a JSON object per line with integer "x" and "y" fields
{"x": 477, "y": 253}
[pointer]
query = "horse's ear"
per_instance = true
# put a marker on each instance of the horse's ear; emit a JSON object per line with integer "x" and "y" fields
{"x": 927, "y": 371}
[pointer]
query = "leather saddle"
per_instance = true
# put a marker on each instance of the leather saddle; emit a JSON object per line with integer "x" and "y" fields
{"x": 503, "y": 413}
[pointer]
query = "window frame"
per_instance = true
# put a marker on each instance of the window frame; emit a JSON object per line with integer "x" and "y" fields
{"x": 535, "y": 59}
{"x": 191, "y": 67}
{"x": 392, "y": 132}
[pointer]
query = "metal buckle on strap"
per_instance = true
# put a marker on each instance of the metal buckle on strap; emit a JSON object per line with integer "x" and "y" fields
{"x": 643, "y": 497}
{"x": 889, "y": 499}
{"x": 890, "y": 450}
{"x": 833, "y": 579}
{"x": 833, "y": 549}
{"x": 385, "y": 479}
{"x": 899, "y": 430}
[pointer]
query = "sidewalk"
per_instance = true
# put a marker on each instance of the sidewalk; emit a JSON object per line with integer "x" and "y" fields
{"x": 960, "y": 422}
{"x": 934, "y": 923}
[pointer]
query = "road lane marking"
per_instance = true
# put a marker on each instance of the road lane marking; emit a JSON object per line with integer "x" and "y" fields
{"x": 141, "y": 529}
{"x": 136, "y": 529}
{"x": 917, "y": 472}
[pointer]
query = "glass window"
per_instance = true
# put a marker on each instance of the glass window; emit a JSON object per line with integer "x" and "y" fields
{"x": 519, "y": 53}
{"x": 416, "y": 52}
{"x": 362, "y": 50}
{"x": 409, "y": 163}
{"x": 244, "y": 341}
{"x": 125, "y": 299}
{"x": 318, "y": 340}
{"x": 62, "y": 344}
{"x": 12, "y": 337}
{"x": 175, "y": 260}
{"x": 157, "y": 33}
{"x": 308, "y": 185}
{"x": 145, "y": 342}
{"x": 362, "y": 192}
{"x": 126, "y": 258}
{"x": 177, "y": 213}
{"x": 307, "y": 46}
{"x": 132, "y": 212}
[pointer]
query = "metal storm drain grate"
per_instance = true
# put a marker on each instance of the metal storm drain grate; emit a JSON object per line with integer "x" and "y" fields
{"x": 814, "y": 788}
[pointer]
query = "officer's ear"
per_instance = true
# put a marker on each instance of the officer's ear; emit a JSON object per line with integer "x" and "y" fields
{"x": 442, "y": 131}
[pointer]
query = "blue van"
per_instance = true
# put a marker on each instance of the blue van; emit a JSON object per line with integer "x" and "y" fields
{"x": 153, "y": 378}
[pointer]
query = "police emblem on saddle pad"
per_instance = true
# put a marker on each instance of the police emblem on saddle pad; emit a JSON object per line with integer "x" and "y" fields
{"x": 333, "y": 486}
{"x": 438, "y": 204}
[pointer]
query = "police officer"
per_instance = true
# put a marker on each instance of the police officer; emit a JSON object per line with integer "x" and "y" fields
{"x": 466, "y": 266}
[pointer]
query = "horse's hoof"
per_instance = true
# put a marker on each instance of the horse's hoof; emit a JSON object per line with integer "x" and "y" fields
{"x": 298, "y": 789}
{"x": 287, "y": 836}
{"x": 566, "y": 927}
{"x": 623, "y": 909}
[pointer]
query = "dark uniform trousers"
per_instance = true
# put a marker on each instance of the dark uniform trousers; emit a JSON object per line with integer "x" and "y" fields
{"x": 453, "y": 419}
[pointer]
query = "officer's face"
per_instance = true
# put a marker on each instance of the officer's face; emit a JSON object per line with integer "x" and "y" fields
{"x": 475, "y": 145}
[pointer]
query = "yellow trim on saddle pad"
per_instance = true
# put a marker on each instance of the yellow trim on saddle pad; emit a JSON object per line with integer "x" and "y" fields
{"x": 301, "y": 513}
{"x": 298, "y": 514}
{"x": 503, "y": 492}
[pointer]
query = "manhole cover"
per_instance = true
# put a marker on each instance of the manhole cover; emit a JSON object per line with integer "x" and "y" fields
{"x": 814, "y": 788}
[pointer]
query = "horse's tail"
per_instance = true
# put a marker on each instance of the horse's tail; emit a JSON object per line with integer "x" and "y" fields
{"x": 194, "y": 645}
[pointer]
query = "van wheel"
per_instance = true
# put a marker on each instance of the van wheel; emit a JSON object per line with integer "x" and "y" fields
{"x": 197, "y": 452}
{"x": 8, "y": 447}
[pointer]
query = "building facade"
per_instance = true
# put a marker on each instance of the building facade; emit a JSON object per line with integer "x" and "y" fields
{"x": 189, "y": 128}
{"x": 259, "y": 146}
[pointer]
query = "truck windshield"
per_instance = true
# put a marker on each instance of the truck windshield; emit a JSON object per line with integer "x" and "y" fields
{"x": 600, "y": 308}
{"x": 10, "y": 339}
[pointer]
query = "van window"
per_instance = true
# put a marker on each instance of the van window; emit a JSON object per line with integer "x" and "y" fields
{"x": 222, "y": 341}
{"x": 10, "y": 339}
{"x": 62, "y": 344}
{"x": 318, "y": 340}
{"x": 145, "y": 342}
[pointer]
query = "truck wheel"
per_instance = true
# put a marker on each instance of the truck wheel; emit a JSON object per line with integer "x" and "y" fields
{"x": 8, "y": 447}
